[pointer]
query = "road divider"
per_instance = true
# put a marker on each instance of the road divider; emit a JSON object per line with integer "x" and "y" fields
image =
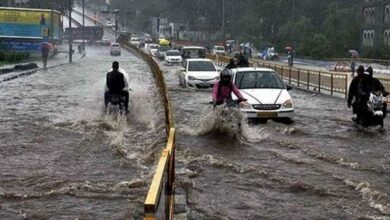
{"x": 160, "y": 201}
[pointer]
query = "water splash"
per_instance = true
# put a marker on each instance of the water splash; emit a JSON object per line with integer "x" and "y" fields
{"x": 222, "y": 121}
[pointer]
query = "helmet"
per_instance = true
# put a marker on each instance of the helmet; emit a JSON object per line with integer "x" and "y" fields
{"x": 226, "y": 73}
{"x": 226, "y": 76}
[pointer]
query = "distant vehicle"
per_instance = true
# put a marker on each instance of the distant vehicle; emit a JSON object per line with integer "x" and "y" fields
{"x": 268, "y": 54}
{"x": 115, "y": 49}
{"x": 266, "y": 93}
{"x": 135, "y": 41}
{"x": 230, "y": 45}
{"x": 161, "y": 52}
{"x": 151, "y": 49}
{"x": 193, "y": 52}
{"x": 110, "y": 24}
{"x": 105, "y": 41}
{"x": 173, "y": 56}
{"x": 218, "y": 50}
{"x": 148, "y": 38}
{"x": 198, "y": 73}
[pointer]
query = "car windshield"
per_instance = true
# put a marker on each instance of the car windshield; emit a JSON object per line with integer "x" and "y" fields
{"x": 115, "y": 45}
{"x": 173, "y": 53}
{"x": 258, "y": 80}
{"x": 194, "y": 53}
{"x": 135, "y": 39}
{"x": 164, "y": 49}
{"x": 154, "y": 46}
{"x": 219, "y": 48}
{"x": 198, "y": 66}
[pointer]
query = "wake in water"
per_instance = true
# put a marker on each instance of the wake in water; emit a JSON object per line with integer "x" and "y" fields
{"x": 222, "y": 121}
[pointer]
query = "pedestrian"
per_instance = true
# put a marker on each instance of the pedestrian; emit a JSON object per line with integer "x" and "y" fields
{"x": 45, "y": 54}
{"x": 353, "y": 64}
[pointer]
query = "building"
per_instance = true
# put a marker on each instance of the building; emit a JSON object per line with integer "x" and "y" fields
{"x": 375, "y": 31}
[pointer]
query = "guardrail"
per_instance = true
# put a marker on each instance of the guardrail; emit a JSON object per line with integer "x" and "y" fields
{"x": 330, "y": 83}
{"x": 160, "y": 201}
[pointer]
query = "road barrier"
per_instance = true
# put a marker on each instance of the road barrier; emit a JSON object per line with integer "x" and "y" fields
{"x": 325, "y": 82}
{"x": 160, "y": 201}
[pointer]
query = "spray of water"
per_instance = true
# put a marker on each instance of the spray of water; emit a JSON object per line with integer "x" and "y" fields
{"x": 222, "y": 121}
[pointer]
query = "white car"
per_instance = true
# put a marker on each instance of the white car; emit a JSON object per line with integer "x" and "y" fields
{"x": 115, "y": 49}
{"x": 105, "y": 41}
{"x": 198, "y": 73}
{"x": 173, "y": 56}
{"x": 135, "y": 41}
{"x": 218, "y": 50}
{"x": 110, "y": 24}
{"x": 151, "y": 49}
{"x": 267, "y": 95}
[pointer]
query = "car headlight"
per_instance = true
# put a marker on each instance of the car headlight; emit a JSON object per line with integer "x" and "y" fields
{"x": 191, "y": 78}
{"x": 288, "y": 104}
{"x": 245, "y": 105}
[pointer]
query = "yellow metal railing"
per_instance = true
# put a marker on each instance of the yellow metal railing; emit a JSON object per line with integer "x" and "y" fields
{"x": 160, "y": 200}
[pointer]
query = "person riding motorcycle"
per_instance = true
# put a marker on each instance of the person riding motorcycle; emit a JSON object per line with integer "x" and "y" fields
{"x": 232, "y": 63}
{"x": 353, "y": 93}
{"x": 366, "y": 86}
{"x": 117, "y": 84}
{"x": 223, "y": 89}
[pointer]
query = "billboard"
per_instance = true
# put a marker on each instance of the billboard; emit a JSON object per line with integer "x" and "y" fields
{"x": 91, "y": 33}
{"x": 22, "y": 45}
{"x": 29, "y": 23}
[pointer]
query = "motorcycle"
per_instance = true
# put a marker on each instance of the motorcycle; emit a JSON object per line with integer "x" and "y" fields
{"x": 375, "y": 112}
{"x": 116, "y": 104}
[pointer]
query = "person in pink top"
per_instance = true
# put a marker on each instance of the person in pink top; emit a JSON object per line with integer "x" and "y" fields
{"x": 223, "y": 89}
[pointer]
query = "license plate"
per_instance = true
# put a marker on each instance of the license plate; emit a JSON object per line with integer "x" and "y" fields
{"x": 267, "y": 114}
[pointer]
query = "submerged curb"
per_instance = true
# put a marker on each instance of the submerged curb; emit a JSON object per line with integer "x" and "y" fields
{"x": 32, "y": 71}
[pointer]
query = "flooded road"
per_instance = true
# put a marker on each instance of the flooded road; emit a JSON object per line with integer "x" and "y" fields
{"x": 320, "y": 167}
{"x": 61, "y": 157}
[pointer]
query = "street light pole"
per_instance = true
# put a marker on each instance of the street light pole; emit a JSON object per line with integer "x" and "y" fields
{"x": 223, "y": 18}
{"x": 70, "y": 31}
{"x": 51, "y": 22}
{"x": 116, "y": 11}
{"x": 84, "y": 26}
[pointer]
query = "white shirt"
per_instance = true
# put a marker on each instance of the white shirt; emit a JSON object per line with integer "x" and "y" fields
{"x": 125, "y": 76}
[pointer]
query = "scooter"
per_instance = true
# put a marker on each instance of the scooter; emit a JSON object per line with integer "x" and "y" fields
{"x": 374, "y": 112}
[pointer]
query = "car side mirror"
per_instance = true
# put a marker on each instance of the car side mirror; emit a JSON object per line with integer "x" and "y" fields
{"x": 288, "y": 87}
{"x": 219, "y": 69}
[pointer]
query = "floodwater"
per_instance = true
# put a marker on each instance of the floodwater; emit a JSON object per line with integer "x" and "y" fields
{"x": 62, "y": 157}
{"x": 320, "y": 167}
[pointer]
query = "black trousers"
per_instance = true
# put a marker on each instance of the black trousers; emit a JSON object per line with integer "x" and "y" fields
{"x": 125, "y": 94}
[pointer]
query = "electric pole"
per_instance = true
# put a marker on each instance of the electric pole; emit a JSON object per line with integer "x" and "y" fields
{"x": 84, "y": 26}
{"x": 70, "y": 31}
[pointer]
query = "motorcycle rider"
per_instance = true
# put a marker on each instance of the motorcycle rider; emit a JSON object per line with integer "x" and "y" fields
{"x": 223, "y": 89}
{"x": 353, "y": 93}
{"x": 232, "y": 63}
{"x": 366, "y": 86}
{"x": 117, "y": 84}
